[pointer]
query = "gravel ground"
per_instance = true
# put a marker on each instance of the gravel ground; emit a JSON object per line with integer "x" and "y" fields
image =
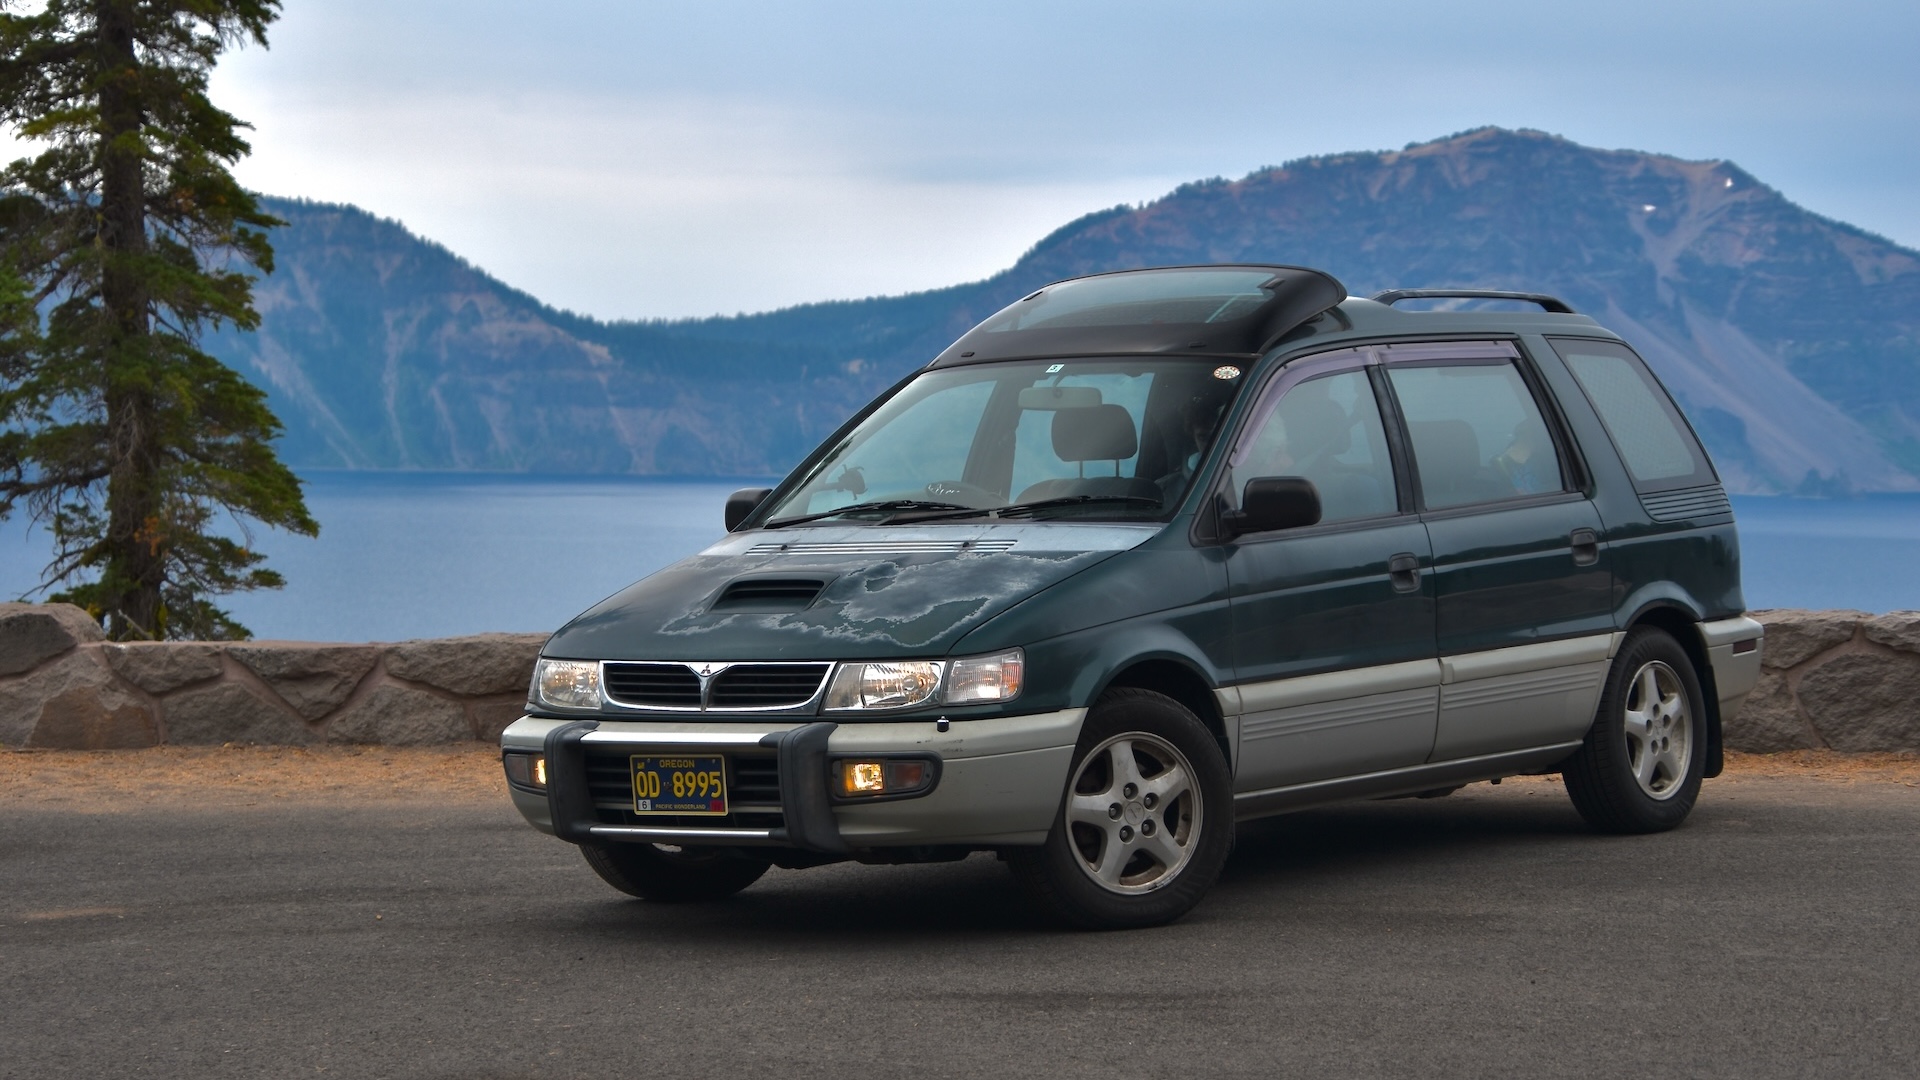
{"x": 248, "y": 775}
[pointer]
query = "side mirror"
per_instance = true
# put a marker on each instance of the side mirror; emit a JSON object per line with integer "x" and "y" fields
{"x": 1274, "y": 502}
{"x": 742, "y": 503}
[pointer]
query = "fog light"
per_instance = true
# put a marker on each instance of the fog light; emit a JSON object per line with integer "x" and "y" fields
{"x": 527, "y": 770}
{"x": 866, "y": 777}
{"x": 892, "y": 776}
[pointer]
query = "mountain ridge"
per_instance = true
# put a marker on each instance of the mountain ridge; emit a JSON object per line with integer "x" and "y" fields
{"x": 1792, "y": 340}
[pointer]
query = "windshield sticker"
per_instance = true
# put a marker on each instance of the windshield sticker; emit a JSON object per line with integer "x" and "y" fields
{"x": 1226, "y": 371}
{"x": 1055, "y": 368}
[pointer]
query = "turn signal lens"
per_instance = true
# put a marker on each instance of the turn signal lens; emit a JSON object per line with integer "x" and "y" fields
{"x": 986, "y": 678}
{"x": 567, "y": 684}
{"x": 893, "y": 776}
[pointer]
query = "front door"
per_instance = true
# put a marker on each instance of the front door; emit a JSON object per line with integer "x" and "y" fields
{"x": 1333, "y": 624}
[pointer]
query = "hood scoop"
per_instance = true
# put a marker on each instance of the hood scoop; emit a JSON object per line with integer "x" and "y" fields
{"x": 767, "y": 594}
{"x": 885, "y": 547}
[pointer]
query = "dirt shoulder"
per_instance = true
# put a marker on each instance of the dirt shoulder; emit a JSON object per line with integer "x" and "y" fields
{"x": 124, "y": 779}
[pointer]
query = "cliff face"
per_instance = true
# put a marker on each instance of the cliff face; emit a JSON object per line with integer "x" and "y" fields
{"x": 1793, "y": 341}
{"x": 382, "y": 351}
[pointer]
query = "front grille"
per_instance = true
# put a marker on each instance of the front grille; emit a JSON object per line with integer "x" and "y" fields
{"x": 765, "y": 686}
{"x": 753, "y": 794}
{"x": 672, "y": 686}
{"x": 738, "y": 686}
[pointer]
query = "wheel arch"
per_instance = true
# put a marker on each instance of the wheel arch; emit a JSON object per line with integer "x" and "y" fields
{"x": 1683, "y": 626}
{"x": 1179, "y": 679}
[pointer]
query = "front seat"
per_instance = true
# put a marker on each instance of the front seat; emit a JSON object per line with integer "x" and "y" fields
{"x": 1097, "y": 433}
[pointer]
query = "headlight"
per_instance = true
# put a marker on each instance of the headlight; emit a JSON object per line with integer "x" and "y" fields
{"x": 895, "y": 685}
{"x": 903, "y": 684}
{"x": 567, "y": 684}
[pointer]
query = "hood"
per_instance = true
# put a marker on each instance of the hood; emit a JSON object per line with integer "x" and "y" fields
{"x": 838, "y": 593}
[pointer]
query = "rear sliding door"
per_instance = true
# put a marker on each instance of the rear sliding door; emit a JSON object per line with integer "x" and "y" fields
{"x": 1521, "y": 577}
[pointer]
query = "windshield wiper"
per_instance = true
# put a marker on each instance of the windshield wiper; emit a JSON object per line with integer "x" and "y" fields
{"x": 1026, "y": 509}
{"x": 878, "y": 505}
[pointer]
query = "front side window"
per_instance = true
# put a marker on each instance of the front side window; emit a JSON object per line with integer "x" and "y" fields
{"x": 1112, "y": 439}
{"x": 1327, "y": 430}
{"x": 1477, "y": 433}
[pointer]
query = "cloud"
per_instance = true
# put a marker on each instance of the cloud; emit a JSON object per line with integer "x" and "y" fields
{"x": 651, "y": 159}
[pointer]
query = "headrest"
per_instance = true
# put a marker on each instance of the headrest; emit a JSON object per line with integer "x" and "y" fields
{"x": 1101, "y": 433}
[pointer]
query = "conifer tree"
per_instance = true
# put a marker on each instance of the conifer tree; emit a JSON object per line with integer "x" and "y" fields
{"x": 121, "y": 242}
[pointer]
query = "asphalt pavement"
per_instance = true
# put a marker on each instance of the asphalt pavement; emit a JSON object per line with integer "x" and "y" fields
{"x": 1488, "y": 933}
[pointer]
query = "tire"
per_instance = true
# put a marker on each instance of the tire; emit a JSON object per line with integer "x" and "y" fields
{"x": 674, "y": 875}
{"x": 1146, "y": 821}
{"x": 1639, "y": 770}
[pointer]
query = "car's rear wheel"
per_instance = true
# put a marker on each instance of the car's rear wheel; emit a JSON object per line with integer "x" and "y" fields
{"x": 1639, "y": 770}
{"x": 1146, "y": 823}
{"x": 674, "y": 874}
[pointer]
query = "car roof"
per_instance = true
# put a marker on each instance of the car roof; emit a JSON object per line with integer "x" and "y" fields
{"x": 1237, "y": 309}
{"x": 1254, "y": 307}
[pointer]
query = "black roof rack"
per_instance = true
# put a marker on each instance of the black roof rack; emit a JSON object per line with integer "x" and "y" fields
{"x": 1547, "y": 303}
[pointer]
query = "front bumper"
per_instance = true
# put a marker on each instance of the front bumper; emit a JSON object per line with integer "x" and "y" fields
{"x": 1001, "y": 780}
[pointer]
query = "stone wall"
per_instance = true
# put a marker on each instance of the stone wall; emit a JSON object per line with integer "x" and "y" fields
{"x": 1845, "y": 680}
{"x": 63, "y": 686}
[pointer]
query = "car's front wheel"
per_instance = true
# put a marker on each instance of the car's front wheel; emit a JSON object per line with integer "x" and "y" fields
{"x": 1639, "y": 770}
{"x": 1146, "y": 823}
{"x": 674, "y": 874}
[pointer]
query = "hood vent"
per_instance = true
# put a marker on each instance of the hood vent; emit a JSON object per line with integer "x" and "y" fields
{"x": 886, "y": 547}
{"x": 768, "y": 594}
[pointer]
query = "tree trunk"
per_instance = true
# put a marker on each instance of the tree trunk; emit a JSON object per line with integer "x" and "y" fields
{"x": 136, "y": 536}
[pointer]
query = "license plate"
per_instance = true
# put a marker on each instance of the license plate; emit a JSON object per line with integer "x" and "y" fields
{"x": 679, "y": 785}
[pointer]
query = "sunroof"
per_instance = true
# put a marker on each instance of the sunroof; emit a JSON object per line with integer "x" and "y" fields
{"x": 1194, "y": 296}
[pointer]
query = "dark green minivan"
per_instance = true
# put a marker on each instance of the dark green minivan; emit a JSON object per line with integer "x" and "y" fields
{"x": 1149, "y": 553}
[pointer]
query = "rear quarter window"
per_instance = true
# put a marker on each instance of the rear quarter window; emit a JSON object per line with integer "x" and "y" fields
{"x": 1653, "y": 440}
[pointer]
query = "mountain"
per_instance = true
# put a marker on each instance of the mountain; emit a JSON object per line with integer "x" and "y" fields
{"x": 1793, "y": 341}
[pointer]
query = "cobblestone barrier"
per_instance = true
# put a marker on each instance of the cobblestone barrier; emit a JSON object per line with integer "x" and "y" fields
{"x": 62, "y": 685}
{"x": 1845, "y": 680}
{"x": 1842, "y": 680}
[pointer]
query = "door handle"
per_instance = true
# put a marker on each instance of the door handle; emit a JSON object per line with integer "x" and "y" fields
{"x": 1586, "y": 547}
{"x": 1404, "y": 571}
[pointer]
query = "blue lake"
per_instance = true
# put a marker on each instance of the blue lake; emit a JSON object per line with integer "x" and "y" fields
{"x": 424, "y": 555}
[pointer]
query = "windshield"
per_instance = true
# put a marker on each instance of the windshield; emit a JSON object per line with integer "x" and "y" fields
{"x": 1080, "y": 439}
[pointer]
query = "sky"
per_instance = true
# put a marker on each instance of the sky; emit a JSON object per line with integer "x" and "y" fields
{"x": 630, "y": 159}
